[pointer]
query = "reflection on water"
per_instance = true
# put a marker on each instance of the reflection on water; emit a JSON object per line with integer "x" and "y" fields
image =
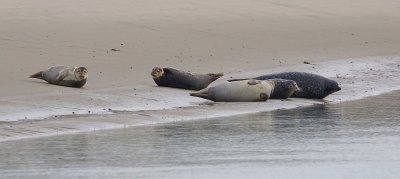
{"x": 355, "y": 139}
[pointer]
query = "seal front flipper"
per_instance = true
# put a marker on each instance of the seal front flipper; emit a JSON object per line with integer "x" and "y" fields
{"x": 169, "y": 71}
{"x": 37, "y": 75}
{"x": 62, "y": 75}
{"x": 253, "y": 82}
{"x": 264, "y": 96}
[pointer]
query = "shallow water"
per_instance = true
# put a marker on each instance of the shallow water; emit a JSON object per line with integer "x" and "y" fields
{"x": 354, "y": 139}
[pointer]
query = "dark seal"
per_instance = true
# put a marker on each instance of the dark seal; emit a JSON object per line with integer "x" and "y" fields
{"x": 169, "y": 77}
{"x": 64, "y": 76}
{"x": 312, "y": 86}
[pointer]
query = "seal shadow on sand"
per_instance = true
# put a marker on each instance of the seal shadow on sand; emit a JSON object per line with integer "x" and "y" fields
{"x": 57, "y": 86}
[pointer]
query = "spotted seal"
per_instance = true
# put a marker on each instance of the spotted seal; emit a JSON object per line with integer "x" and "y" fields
{"x": 312, "y": 85}
{"x": 283, "y": 88}
{"x": 169, "y": 77}
{"x": 238, "y": 91}
{"x": 64, "y": 76}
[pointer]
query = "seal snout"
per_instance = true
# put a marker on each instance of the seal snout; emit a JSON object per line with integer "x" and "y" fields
{"x": 336, "y": 88}
{"x": 82, "y": 77}
{"x": 295, "y": 87}
{"x": 333, "y": 89}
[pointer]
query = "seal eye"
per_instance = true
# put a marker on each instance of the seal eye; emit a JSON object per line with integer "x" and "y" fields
{"x": 290, "y": 86}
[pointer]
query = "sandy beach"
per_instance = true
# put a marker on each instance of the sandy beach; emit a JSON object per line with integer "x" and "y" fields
{"x": 233, "y": 37}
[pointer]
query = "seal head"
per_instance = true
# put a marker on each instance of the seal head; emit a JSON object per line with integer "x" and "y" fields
{"x": 284, "y": 88}
{"x": 157, "y": 72}
{"x": 81, "y": 73}
{"x": 331, "y": 87}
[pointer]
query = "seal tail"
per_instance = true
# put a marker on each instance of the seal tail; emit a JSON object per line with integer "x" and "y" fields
{"x": 216, "y": 75}
{"x": 37, "y": 75}
{"x": 239, "y": 79}
{"x": 201, "y": 94}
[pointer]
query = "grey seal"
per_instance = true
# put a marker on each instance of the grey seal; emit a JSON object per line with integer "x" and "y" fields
{"x": 64, "y": 76}
{"x": 238, "y": 91}
{"x": 312, "y": 85}
{"x": 169, "y": 77}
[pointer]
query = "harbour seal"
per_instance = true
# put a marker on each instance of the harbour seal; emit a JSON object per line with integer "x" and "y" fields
{"x": 312, "y": 86}
{"x": 238, "y": 91}
{"x": 169, "y": 77}
{"x": 284, "y": 89}
{"x": 64, "y": 76}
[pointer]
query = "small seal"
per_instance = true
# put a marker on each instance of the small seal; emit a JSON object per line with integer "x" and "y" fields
{"x": 284, "y": 89}
{"x": 169, "y": 77}
{"x": 312, "y": 86}
{"x": 238, "y": 91}
{"x": 64, "y": 76}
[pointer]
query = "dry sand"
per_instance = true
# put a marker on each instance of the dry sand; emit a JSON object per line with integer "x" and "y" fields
{"x": 201, "y": 36}
{"x": 229, "y": 36}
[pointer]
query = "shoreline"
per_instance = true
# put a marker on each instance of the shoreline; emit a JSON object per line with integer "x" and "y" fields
{"x": 147, "y": 105}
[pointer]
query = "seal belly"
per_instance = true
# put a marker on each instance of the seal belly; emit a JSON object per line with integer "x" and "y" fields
{"x": 72, "y": 83}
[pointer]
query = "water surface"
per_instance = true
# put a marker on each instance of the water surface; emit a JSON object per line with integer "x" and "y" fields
{"x": 359, "y": 139}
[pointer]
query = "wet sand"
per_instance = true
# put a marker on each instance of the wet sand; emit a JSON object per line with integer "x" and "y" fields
{"x": 144, "y": 105}
{"x": 234, "y": 37}
{"x": 355, "y": 139}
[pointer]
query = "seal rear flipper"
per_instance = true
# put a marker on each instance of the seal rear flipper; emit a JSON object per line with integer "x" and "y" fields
{"x": 201, "y": 94}
{"x": 239, "y": 79}
{"x": 37, "y": 75}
